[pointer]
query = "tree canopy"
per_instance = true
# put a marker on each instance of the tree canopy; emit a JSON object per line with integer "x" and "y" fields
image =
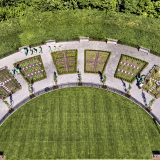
{"x": 14, "y": 8}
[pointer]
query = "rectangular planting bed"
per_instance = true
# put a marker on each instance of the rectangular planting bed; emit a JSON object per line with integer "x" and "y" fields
{"x": 32, "y": 69}
{"x": 95, "y": 60}
{"x": 152, "y": 82}
{"x": 8, "y": 84}
{"x": 128, "y": 67}
{"x": 65, "y": 61}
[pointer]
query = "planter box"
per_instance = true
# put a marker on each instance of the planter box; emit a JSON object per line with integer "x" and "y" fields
{"x": 112, "y": 41}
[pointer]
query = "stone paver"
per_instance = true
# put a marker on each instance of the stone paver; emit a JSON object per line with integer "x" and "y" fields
{"x": 116, "y": 51}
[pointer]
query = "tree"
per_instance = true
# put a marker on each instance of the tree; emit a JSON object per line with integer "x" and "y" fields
{"x": 79, "y": 76}
{"x": 55, "y": 78}
{"x": 30, "y": 87}
{"x": 100, "y": 75}
{"x": 129, "y": 89}
{"x": 151, "y": 103}
{"x": 104, "y": 79}
{"x": 7, "y": 104}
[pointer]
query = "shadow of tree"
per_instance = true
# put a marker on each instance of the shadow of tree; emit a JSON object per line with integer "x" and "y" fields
{"x": 124, "y": 85}
{"x": 144, "y": 98}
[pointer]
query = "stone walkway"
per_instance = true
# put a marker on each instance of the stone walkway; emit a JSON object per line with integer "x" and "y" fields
{"x": 116, "y": 51}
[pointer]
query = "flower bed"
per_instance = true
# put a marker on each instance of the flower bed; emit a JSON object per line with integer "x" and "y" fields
{"x": 8, "y": 84}
{"x": 32, "y": 69}
{"x": 152, "y": 82}
{"x": 128, "y": 67}
{"x": 95, "y": 60}
{"x": 65, "y": 61}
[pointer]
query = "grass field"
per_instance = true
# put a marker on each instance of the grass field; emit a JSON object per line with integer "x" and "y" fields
{"x": 32, "y": 69}
{"x": 69, "y": 25}
{"x": 79, "y": 123}
{"x": 65, "y": 61}
{"x": 95, "y": 60}
{"x": 128, "y": 67}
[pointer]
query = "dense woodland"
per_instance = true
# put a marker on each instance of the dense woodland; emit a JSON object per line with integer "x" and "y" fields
{"x": 15, "y": 8}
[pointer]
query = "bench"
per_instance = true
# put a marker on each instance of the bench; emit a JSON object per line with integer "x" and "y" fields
{"x": 156, "y": 155}
{"x": 142, "y": 49}
{"x": 83, "y": 39}
{"x": 112, "y": 41}
{"x": 51, "y": 44}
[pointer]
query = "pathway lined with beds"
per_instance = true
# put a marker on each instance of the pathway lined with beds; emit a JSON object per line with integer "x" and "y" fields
{"x": 43, "y": 76}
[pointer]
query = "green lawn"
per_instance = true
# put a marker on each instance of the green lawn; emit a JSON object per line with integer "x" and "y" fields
{"x": 69, "y": 25}
{"x": 79, "y": 123}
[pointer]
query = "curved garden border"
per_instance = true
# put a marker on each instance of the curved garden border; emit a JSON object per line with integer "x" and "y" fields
{"x": 70, "y": 85}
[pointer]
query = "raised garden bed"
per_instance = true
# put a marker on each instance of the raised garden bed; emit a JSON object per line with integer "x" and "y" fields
{"x": 32, "y": 69}
{"x": 95, "y": 60}
{"x": 128, "y": 67}
{"x": 8, "y": 84}
{"x": 152, "y": 82}
{"x": 65, "y": 61}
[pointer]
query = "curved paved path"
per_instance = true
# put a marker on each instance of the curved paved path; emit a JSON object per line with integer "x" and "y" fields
{"x": 116, "y": 51}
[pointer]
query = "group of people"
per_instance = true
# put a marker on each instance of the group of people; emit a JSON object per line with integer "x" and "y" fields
{"x": 29, "y": 50}
{"x": 16, "y": 70}
{"x": 140, "y": 80}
